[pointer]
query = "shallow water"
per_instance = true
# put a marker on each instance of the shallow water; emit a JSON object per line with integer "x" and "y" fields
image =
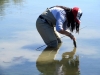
{"x": 23, "y": 52}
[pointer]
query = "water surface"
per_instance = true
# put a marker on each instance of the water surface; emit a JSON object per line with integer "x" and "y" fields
{"x": 23, "y": 52}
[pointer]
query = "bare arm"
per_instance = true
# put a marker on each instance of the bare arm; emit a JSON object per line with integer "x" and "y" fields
{"x": 67, "y": 34}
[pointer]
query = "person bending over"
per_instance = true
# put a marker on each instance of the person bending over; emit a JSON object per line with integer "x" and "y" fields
{"x": 58, "y": 19}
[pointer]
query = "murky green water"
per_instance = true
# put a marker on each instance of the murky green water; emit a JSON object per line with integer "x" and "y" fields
{"x": 23, "y": 52}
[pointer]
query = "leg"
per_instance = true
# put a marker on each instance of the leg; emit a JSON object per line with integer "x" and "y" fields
{"x": 47, "y": 33}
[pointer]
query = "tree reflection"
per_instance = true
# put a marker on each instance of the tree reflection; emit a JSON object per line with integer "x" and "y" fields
{"x": 68, "y": 65}
{"x": 2, "y": 6}
{"x": 5, "y": 3}
{"x": 17, "y": 1}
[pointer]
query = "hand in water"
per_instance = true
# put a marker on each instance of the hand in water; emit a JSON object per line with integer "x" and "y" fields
{"x": 73, "y": 38}
{"x": 74, "y": 42}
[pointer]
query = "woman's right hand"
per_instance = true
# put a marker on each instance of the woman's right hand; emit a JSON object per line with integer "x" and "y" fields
{"x": 69, "y": 35}
{"x": 73, "y": 38}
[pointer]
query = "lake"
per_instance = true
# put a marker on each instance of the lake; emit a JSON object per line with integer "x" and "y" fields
{"x": 23, "y": 52}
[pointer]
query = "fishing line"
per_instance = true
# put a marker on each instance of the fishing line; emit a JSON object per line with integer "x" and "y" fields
{"x": 61, "y": 37}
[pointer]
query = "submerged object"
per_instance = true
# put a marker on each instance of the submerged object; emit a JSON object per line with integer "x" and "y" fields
{"x": 74, "y": 42}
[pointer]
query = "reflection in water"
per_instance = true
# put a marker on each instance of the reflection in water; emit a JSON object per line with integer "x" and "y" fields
{"x": 17, "y": 1}
{"x": 68, "y": 65}
{"x": 5, "y": 3}
{"x": 2, "y": 6}
{"x": 46, "y": 63}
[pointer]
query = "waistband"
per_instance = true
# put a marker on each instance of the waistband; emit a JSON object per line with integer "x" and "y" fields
{"x": 45, "y": 20}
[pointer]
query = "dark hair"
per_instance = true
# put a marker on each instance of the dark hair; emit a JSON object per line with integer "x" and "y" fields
{"x": 71, "y": 22}
{"x": 70, "y": 17}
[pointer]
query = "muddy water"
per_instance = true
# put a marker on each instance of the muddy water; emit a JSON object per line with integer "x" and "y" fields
{"x": 23, "y": 52}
